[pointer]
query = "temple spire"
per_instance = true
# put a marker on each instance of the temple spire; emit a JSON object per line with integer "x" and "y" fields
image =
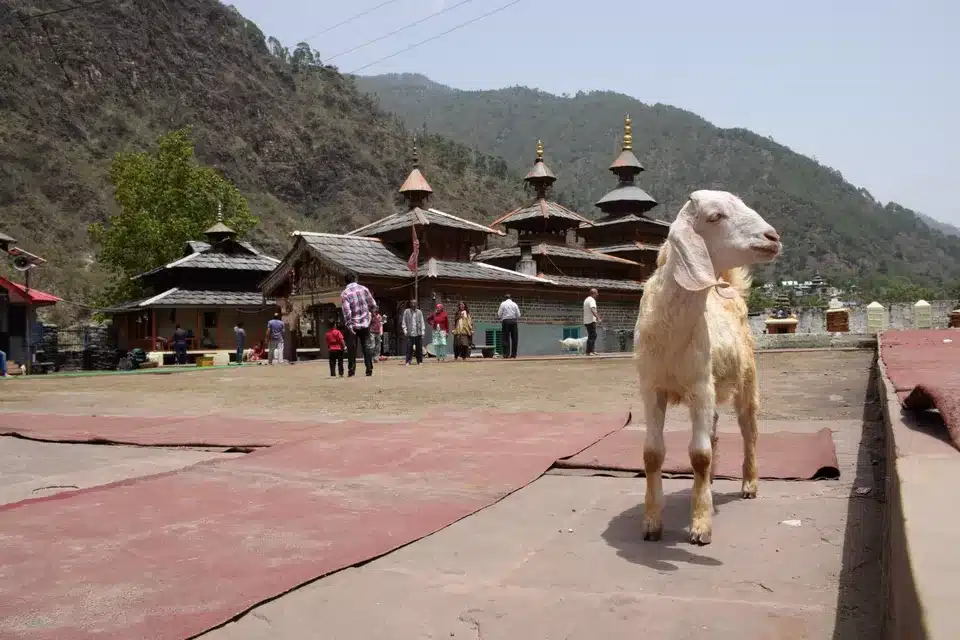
{"x": 540, "y": 177}
{"x": 627, "y": 135}
{"x": 219, "y": 231}
{"x": 415, "y": 188}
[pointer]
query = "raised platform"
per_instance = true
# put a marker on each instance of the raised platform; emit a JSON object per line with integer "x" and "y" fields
{"x": 923, "y": 467}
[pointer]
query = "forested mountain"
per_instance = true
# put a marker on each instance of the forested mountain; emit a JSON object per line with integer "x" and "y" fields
{"x": 825, "y": 221}
{"x": 305, "y": 147}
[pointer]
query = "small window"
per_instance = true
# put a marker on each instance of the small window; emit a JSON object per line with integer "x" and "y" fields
{"x": 571, "y": 332}
{"x": 209, "y": 319}
{"x": 495, "y": 337}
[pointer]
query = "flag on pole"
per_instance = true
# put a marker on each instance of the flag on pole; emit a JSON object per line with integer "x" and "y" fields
{"x": 415, "y": 256}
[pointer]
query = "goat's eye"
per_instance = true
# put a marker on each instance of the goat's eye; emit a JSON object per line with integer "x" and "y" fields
{"x": 715, "y": 217}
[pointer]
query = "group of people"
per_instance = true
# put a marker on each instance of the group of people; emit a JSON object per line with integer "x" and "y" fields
{"x": 363, "y": 326}
{"x": 413, "y": 324}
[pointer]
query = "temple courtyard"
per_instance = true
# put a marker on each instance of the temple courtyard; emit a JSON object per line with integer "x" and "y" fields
{"x": 294, "y": 467}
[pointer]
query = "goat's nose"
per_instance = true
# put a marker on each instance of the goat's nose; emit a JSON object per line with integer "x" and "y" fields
{"x": 772, "y": 235}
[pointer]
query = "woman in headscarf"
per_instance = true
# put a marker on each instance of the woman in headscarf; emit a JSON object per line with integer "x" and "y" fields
{"x": 440, "y": 324}
{"x": 462, "y": 332}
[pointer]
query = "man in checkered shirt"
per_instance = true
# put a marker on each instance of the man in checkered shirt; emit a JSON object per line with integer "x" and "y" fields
{"x": 357, "y": 304}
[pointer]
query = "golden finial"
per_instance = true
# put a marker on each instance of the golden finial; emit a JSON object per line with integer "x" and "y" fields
{"x": 539, "y": 151}
{"x": 627, "y": 135}
{"x": 219, "y": 212}
{"x": 416, "y": 154}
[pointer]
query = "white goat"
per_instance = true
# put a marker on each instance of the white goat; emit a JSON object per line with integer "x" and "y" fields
{"x": 693, "y": 344}
{"x": 574, "y": 344}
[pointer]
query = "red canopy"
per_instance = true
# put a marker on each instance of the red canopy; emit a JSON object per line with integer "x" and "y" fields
{"x": 19, "y": 293}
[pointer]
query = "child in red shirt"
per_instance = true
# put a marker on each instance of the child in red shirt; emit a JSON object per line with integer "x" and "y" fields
{"x": 336, "y": 345}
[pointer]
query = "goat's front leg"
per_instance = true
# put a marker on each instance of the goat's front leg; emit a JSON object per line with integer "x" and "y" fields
{"x": 701, "y": 459}
{"x": 655, "y": 410}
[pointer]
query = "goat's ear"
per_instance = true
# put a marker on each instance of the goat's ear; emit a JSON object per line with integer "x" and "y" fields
{"x": 693, "y": 269}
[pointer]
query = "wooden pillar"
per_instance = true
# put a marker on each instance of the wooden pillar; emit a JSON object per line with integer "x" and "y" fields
{"x": 198, "y": 332}
{"x": 153, "y": 330}
{"x": 220, "y": 332}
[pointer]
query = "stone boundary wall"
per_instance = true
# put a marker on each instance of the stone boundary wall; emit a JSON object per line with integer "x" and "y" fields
{"x": 899, "y": 314}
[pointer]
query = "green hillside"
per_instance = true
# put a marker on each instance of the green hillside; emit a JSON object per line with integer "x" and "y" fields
{"x": 826, "y": 222}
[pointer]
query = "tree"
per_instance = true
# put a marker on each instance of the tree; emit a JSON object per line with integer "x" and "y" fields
{"x": 304, "y": 57}
{"x": 165, "y": 199}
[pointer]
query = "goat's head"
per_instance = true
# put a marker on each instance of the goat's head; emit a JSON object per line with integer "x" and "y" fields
{"x": 716, "y": 231}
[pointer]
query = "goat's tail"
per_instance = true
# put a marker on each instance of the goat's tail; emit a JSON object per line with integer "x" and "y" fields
{"x": 740, "y": 279}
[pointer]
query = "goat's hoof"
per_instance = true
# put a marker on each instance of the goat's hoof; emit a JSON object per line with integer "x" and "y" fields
{"x": 749, "y": 490}
{"x": 701, "y": 533}
{"x": 652, "y": 531}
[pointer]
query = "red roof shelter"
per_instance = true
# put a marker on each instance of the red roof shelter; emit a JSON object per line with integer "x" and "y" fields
{"x": 18, "y": 314}
{"x": 19, "y": 294}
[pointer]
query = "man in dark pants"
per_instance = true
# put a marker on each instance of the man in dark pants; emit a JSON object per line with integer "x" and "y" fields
{"x": 179, "y": 345}
{"x": 590, "y": 320}
{"x": 357, "y": 304}
{"x": 509, "y": 316}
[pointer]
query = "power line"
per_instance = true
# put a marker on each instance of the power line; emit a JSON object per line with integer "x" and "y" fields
{"x": 439, "y": 35}
{"x": 393, "y": 33}
{"x": 71, "y": 8}
{"x": 349, "y": 20}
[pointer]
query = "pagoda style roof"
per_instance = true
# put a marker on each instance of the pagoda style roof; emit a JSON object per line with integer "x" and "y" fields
{"x": 180, "y": 297}
{"x": 228, "y": 255}
{"x": 627, "y": 194}
{"x": 600, "y": 283}
{"x": 369, "y": 257}
{"x": 422, "y": 217}
{"x": 556, "y": 250}
{"x": 629, "y": 219}
{"x": 627, "y": 248}
{"x": 626, "y": 197}
{"x": 541, "y": 208}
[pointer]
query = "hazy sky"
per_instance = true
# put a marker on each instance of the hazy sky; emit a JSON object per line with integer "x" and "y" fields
{"x": 864, "y": 86}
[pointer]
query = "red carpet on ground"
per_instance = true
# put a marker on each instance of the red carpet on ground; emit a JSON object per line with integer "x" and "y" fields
{"x": 924, "y": 367}
{"x": 781, "y": 455}
{"x": 169, "y": 556}
{"x": 169, "y": 431}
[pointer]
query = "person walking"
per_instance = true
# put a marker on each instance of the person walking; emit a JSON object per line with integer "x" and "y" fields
{"x": 179, "y": 345}
{"x": 413, "y": 328}
{"x": 336, "y": 345}
{"x": 462, "y": 333}
{"x": 357, "y": 304}
{"x": 275, "y": 330}
{"x": 440, "y": 323}
{"x": 590, "y": 320}
{"x": 240, "y": 336}
{"x": 376, "y": 332}
{"x": 509, "y": 316}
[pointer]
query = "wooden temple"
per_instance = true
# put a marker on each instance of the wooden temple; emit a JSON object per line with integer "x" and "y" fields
{"x": 547, "y": 234}
{"x": 625, "y": 230}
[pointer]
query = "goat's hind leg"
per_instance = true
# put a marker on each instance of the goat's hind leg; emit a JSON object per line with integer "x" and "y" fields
{"x": 654, "y": 450}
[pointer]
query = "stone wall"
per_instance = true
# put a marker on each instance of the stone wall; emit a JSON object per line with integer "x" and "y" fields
{"x": 84, "y": 348}
{"x": 900, "y": 316}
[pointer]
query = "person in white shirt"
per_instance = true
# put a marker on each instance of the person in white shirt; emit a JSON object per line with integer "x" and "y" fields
{"x": 590, "y": 320}
{"x": 509, "y": 316}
